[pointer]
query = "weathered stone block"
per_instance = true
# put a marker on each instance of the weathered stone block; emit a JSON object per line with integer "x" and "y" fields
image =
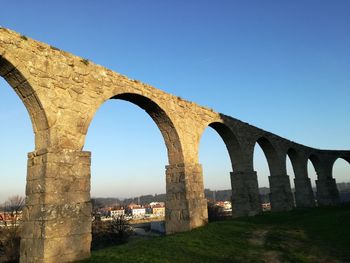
{"x": 304, "y": 196}
{"x": 281, "y": 197}
{"x": 57, "y": 216}
{"x": 327, "y": 192}
{"x": 245, "y": 194}
{"x": 186, "y": 207}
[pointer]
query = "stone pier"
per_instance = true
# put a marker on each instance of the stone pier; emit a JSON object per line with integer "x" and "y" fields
{"x": 327, "y": 192}
{"x": 304, "y": 196}
{"x": 245, "y": 194}
{"x": 281, "y": 197}
{"x": 57, "y": 217}
{"x": 186, "y": 206}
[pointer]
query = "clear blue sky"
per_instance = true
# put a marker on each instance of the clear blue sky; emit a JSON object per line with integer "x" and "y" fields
{"x": 283, "y": 66}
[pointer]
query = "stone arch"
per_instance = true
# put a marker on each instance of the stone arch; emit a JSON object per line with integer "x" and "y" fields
{"x": 162, "y": 120}
{"x": 314, "y": 159}
{"x": 346, "y": 159}
{"x": 179, "y": 174}
{"x": 276, "y": 167}
{"x": 313, "y": 164}
{"x": 327, "y": 192}
{"x": 293, "y": 156}
{"x": 231, "y": 142}
{"x": 244, "y": 184}
{"x": 17, "y": 78}
{"x": 25, "y": 91}
{"x": 281, "y": 197}
{"x": 299, "y": 162}
{"x": 316, "y": 163}
{"x": 304, "y": 195}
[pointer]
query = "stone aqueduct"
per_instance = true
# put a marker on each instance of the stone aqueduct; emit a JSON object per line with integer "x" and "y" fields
{"x": 62, "y": 93}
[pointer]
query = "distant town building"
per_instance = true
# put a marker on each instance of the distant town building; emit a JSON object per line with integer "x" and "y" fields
{"x": 161, "y": 204}
{"x": 225, "y": 206}
{"x": 138, "y": 212}
{"x": 117, "y": 212}
{"x": 158, "y": 211}
{"x": 133, "y": 205}
{"x": 7, "y": 219}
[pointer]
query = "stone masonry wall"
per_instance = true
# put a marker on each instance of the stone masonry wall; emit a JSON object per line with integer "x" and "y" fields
{"x": 62, "y": 93}
{"x": 57, "y": 217}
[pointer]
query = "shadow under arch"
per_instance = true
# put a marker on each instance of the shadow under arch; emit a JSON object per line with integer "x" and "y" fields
{"x": 16, "y": 78}
{"x": 281, "y": 197}
{"x": 293, "y": 156}
{"x": 244, "y": 185}
{"x": 232, "y": 144}
{"x": 315, "y": 160}
{"x": 327, "y": 193}
{"x": 163, "y": 122}
{"x": 339, "y": 175}
{"x": 347, "y": 159}
{"x": 303, "y": 193}
{"x": 299, "y": 164}
{"x": 21, "y": 85}
{"x": 273, "y": 160}
{"x": 292, "y": 162}
{"x": 174, "y": 150}
{"x": 313, "y": 170}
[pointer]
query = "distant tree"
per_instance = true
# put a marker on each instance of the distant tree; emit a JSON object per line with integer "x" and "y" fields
{"x": 212, "y": 212}
{"x": 10, "y": 232}
{"x": 96, "y": 204}
{"x": 107, "y": 233}
{"x": 220, "y": 195}
{"x": 14, "y": 205}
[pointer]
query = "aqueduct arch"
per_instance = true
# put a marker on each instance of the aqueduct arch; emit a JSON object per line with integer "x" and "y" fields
{"x": 62, "y": 92}
{"x": 237, "y": 158}
{"x": 173, "y": 145}
{"x": 232, "y": 144}
{"x": 273, "y": 159}
{"x": 304, "y": 196}
{"x": 293, "y": 156}
{"x": 281, "y": 197}
{"x": 326, "y": 189}
{"x": 344, "y": 158}
{"x": 16, "y": 78}
{"x": 161, "y": 119}
{"x": 338, "y": 174}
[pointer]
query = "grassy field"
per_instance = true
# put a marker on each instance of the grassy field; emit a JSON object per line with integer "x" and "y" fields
{"x": 303, "y": 235}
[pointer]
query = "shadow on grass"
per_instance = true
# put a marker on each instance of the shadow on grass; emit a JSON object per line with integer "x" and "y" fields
{"x": 328, "y": 227}
{"x": 303, "y": 235}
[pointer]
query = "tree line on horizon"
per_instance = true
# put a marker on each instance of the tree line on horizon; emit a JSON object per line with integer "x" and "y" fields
{"x": 217, "y": 195}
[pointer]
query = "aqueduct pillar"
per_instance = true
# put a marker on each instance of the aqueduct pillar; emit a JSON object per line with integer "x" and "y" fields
{"x": 57, "y": 217}
{"x": 245, "y": 193}
{"x": 304, "y": 196}
{"x": 244, "y": 184}
{"x": 186, "y": 206}
{"x": 281, "y": 197}
{"x": 327, "y": 191}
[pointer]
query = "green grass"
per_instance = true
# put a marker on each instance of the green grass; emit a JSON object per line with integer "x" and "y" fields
{"x": 310, "y": 235}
